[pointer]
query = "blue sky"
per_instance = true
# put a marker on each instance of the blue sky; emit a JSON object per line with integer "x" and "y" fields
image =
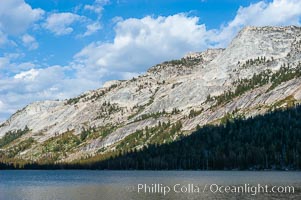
{"x": 56, "y": 49}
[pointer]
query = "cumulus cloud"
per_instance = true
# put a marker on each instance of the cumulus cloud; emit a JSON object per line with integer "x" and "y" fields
{"x": 140, "y": 43}
{"x": 1, "y": 105}
{"x": 275, "y": 13}
{"x": 97, "y": 6}
{"x": 9, "y": 68}
{"x": 29, "y": 42}
{"x": 278, "y": 12}
{"x": 60, "y": 23}
{"x": 92, "y": 28}
{"x": 27, "y": 75}
{"x": 16, "y": 16}
{"x": 39, "y": 84}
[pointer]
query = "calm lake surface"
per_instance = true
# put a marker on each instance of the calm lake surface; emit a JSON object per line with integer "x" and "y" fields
{"x": 107, "y": 185}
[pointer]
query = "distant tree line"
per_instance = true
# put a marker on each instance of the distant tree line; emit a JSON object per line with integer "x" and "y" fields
{"x": 271, "y": 141}
{"x": 285, "y": 73}
{"x": 12, "y": 135}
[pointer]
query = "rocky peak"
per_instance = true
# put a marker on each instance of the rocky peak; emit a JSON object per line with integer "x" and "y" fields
{"x": 111, "y": 83}
{"x": 198, "y": 89}
{"x": 207, "y": 55}
{"x": 268, "y": 41}
{"x": 189, "y": 64}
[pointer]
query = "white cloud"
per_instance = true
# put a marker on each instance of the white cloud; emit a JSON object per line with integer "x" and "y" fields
{"x": 9, "y": 68}
{"x": 40, "y": 84}
{"x": 1, "y": 105}
{"x": 60, "y": 23}
{"x": 29, "y": 42}
{"x": 92, "y": 28}
{"x": 27, "y": 75}
{"x": 97, "y": 6}
{"x": 275, "y": 13}
{"x": 23, "y": 66}
{"x": 94, "y": 8}
{"x": 140, "y": 43}
{"x": 16, "y": 16}
{"x": 278, "y": 12}
{"x": 117, "y": 19}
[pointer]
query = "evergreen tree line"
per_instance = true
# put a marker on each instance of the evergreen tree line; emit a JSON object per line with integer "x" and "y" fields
{"x": 285, "y": 73}
{"x": 12, "y": 135}
{"x": 270, "y": 141}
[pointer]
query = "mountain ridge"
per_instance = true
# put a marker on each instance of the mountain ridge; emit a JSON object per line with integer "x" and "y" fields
{"x": 201, "y": 88}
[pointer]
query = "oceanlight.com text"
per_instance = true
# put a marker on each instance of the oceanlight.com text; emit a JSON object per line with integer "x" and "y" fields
{"x": 158, "y": 188}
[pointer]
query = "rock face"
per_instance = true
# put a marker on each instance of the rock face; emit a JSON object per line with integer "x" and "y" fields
{"x": 201, "y": 88}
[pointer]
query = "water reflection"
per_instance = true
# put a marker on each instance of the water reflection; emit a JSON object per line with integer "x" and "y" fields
{"x": 123, "y": 185}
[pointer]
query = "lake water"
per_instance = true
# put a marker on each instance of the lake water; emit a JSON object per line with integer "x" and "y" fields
{"x": 148, "y": 185}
